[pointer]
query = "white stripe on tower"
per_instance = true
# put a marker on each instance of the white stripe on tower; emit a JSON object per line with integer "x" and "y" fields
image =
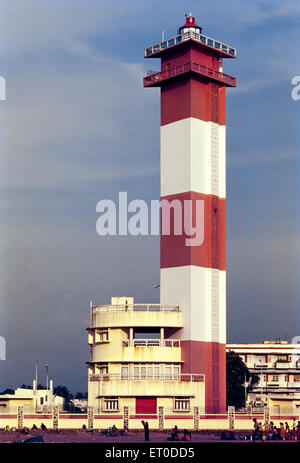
{"x": 186, "y": 157}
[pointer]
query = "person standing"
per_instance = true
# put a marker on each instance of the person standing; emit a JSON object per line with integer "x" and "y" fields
{"x": 146, "y": 428}
{"x": 287, "y": 431}
{"x": 298, "y": 431}
{"x": 282, "y": 432}
{"x": 256, "y": 430}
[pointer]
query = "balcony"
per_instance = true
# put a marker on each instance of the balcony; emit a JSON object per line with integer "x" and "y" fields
{"x": 152, "y": 343}
{"x": 223, "y": 49}
{"x": 136, "y": 315}
{"x": 155, "y": 79}
{"x": 139, "y": 377}
{"x": 137, "y": 350}
{"x": 160, "y": 385}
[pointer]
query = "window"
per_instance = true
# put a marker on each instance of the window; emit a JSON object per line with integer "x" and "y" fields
{"x": 111, "y": 404}
{"x": 103, "y": 334}
{"x": 181, "y": 404}
{"x": 275, "y": 378}
{"x": 172, "y": 372}
{"x": 286, "y": 378}
{"x": 151, "y": 371}
{"x": 168, "y": 372}
{"x": 103, "y": 369}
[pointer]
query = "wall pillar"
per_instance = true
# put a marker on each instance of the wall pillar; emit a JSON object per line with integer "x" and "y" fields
{"x": 231, "y": 416}
{"x": 55, "y": 417}
{"x": 266, "y": 415}
{"x": 20, "y": 417}
{"x": 90, "y": 416}
{"x": 161, "y": 418}
{"x": 130, "y": 337}
{"x": 196, "y": 418}
{"x": 162, "y": 336}
{"x": 126, "y": 418}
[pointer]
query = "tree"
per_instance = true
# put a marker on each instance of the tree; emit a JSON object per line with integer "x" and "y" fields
{"x": 236, "y": 374}
{"x": 7, "y": 391}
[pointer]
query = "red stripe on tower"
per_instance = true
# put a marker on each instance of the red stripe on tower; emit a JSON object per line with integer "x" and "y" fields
{"x": 193, "y": 168}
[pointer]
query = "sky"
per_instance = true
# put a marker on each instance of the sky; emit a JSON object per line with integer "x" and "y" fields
{"x": 77, "y": 127}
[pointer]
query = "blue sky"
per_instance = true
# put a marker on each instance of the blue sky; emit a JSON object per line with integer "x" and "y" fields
{"x": 78, "y": 127}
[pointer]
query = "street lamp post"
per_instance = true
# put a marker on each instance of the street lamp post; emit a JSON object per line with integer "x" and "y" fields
{"x": 261, "y": 382}
{"x": 36, "y": 371}
{"x": 46, "y": 366}
{"x": 245, "y": 382}
{"x": 36, "y": 381}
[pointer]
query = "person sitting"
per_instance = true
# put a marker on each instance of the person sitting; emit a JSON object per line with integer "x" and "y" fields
{"x": 174, "y": 434}
{"x": 25, "y": 430}
{"x": 34, "y": 428}
{"x": 43, "y": 427}
{"x": 186, "y": 435}
{"x": 224, "y": 435}
{"x": 231, "y": 436}
{"x": 114, "y": 431}
{"x": 84, "y": 428}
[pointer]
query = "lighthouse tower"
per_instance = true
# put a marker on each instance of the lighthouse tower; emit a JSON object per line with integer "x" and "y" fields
{"x": 193, "y": 167}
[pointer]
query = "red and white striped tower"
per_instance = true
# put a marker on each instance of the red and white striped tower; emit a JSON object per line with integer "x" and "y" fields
{"x": 193, "y": 166}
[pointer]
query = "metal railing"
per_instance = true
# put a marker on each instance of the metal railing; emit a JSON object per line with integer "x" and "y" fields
{"x": 137, "y": 308}
{"x": 151, "y": 343}
{"x": 191, "y": 35}
{"x": 157, "y": 77}
{"x": 148, "y": 377}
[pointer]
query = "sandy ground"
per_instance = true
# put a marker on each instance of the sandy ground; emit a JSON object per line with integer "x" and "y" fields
{"x": 75, "y": 436}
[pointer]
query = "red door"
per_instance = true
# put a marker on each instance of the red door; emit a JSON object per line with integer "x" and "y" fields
{"x": 145, "y": 406}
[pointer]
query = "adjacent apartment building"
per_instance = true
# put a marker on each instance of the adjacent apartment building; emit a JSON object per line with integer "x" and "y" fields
{"x": 277, "y": 364}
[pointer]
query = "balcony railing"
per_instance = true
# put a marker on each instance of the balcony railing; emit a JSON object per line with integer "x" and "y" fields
{"x": 137, "y": 308}
{"x": 140, "y": 377}
{"x": 154, "y": 78}
{"x": 191, "y": 35}
{"x": 151, "y": 343}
